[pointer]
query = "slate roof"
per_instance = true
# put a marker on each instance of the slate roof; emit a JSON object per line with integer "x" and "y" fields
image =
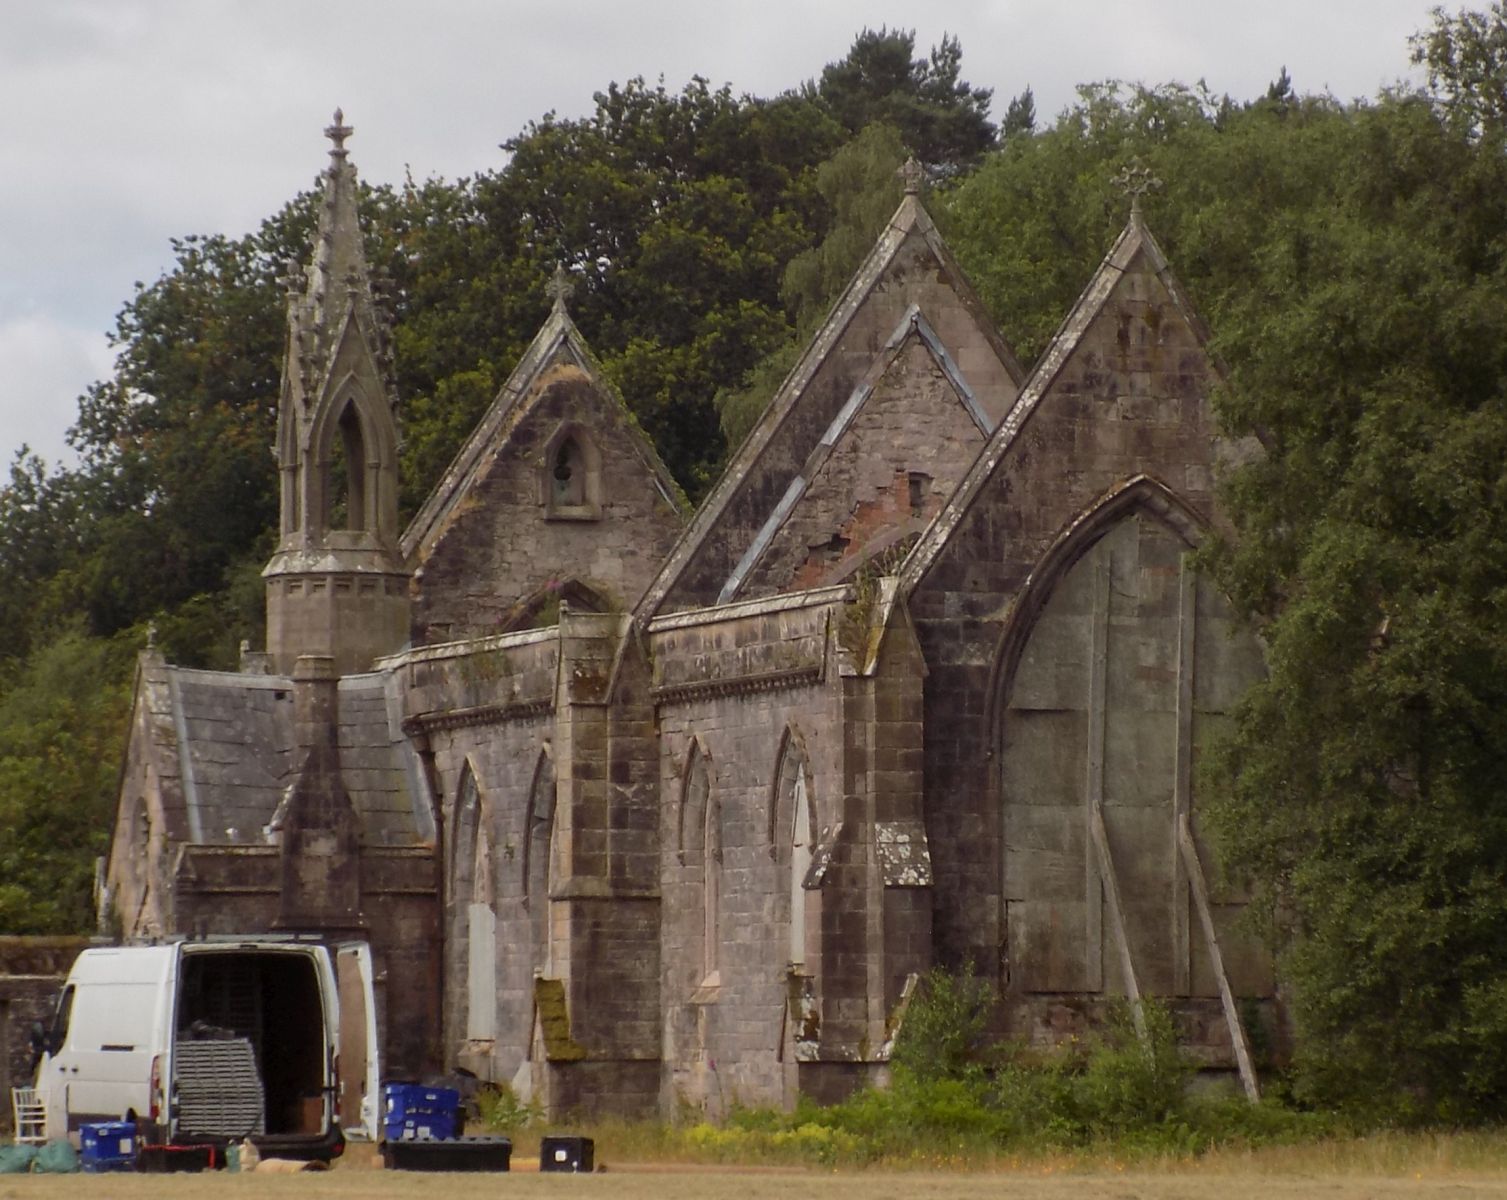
{"x": 234, "y": 740}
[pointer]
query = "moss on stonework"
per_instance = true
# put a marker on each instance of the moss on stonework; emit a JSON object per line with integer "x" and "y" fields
{"x": 855, "y": 631}
{"x": 554, "y": 1022}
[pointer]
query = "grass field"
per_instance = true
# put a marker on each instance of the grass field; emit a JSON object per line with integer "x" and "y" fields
{"x": 1457, "y": 1166}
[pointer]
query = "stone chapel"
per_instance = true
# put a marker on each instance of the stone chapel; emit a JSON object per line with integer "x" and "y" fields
{"x": 640, "y": 807}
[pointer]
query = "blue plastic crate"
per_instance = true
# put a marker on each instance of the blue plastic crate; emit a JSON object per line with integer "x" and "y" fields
{"x": 107, "y": 1146}
{"x": 404, "y": 1100}
{"x": 420, "y": 1127}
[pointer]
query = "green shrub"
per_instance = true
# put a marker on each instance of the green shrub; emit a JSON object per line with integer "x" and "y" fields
{"x": 502, "y": 1111}
{"x": 944, "y": 1033}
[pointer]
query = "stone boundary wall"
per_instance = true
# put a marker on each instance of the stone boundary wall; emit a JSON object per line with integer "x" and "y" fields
{"x": 32, "y": 970}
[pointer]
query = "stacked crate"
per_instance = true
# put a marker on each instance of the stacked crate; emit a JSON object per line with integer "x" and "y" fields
{"x": 219, "y": 1089}
{"x": 411, "y": 1112}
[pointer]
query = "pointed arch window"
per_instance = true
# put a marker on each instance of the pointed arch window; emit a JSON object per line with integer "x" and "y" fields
{"x": 345, "y": 476}
{"x": 802, "y": 846}
{"x": 793, "y": 842}
{"x": 701, "y": 851}
{"x": 572, "y": 476}
{"x": 475, "y": 918}
{"x": 540, "y": 871}
{"x": 568, "y": 475}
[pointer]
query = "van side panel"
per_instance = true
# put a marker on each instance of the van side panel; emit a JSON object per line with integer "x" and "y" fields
{"x": 360, "y": 1071}
{"x": 101, "y": 1071}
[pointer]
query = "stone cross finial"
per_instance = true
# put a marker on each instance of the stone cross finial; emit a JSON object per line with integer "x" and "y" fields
{"x": 911, "y": 175}
{"x": 1135, "y": 180}
{"x": 559, "y": 288}
{"x": 337, "y": 133}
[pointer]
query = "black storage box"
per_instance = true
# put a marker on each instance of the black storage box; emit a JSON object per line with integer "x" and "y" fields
{"x": 448, "y": 1154}
{"x": 159, "y": 1159}
{"x": 566, "y": 1154}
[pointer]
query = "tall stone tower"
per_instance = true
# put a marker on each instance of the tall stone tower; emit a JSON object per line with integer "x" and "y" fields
{"x": 337, "y": 586}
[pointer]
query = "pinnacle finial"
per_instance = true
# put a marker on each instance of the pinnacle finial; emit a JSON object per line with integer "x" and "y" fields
{"x": 337, "y": 133}
{"x": 559, "y": 288}
{"x": 911, "y": 176}
{"x": 1135, "y": 180}
{"x": 292, "y": 278}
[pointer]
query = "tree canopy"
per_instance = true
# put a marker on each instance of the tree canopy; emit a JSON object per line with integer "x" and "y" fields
{"x": 941, "y": 118}
{"x": 1350, "y": 261}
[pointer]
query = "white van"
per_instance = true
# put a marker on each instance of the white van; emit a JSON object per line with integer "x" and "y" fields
{"x": 213, "y": 1041}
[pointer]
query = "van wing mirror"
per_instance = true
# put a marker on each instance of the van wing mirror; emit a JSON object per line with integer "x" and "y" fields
{"x": 39, "y": 1043}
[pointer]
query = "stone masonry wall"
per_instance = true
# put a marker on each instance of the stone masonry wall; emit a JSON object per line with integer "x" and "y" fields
{"x": 888, "y": 475}
{"x": 505, "y": 759}
{"x": 740, "y": 688}
{"x": 503, "y": 545}
{"x": 916, "y": 276}
{"x": 486, "y": 708}
{"x": 1130, "y": 400}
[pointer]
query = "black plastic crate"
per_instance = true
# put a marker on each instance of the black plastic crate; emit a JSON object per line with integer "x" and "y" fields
{"x": 449, "y": 1154}
{"x": 159, "y": 1159}
{"x": 566, "y": 1154}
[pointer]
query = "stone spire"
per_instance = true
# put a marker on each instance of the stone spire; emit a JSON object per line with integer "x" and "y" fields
{"x": 336, "y": 280}
{"x": 337, "y": 586}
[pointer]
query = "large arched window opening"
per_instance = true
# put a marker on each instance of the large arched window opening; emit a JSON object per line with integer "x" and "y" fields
{"x": 1117, "y": 661}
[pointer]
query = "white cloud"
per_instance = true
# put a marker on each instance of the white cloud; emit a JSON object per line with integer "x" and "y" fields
{"x": 128, "y": 122}
{"x": 44, "y": 366}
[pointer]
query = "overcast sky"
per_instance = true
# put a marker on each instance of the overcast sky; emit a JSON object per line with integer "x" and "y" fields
{"x": 126, "y": 122}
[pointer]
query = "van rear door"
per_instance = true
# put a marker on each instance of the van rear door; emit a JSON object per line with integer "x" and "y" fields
{"x": 360, "y": 1075}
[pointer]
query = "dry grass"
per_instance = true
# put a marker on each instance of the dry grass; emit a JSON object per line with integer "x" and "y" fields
{"x": 1458, "y": 1165}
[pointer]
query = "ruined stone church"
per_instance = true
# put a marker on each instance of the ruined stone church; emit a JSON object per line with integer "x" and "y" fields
{"x": 640, "y": 807}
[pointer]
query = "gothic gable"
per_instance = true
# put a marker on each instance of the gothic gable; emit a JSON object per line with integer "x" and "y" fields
{"x": 557, "y": 495}
{"x": 909, "y": 269}
{"x": 1122, "y": 391}
{"x": 879, "y": 474}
